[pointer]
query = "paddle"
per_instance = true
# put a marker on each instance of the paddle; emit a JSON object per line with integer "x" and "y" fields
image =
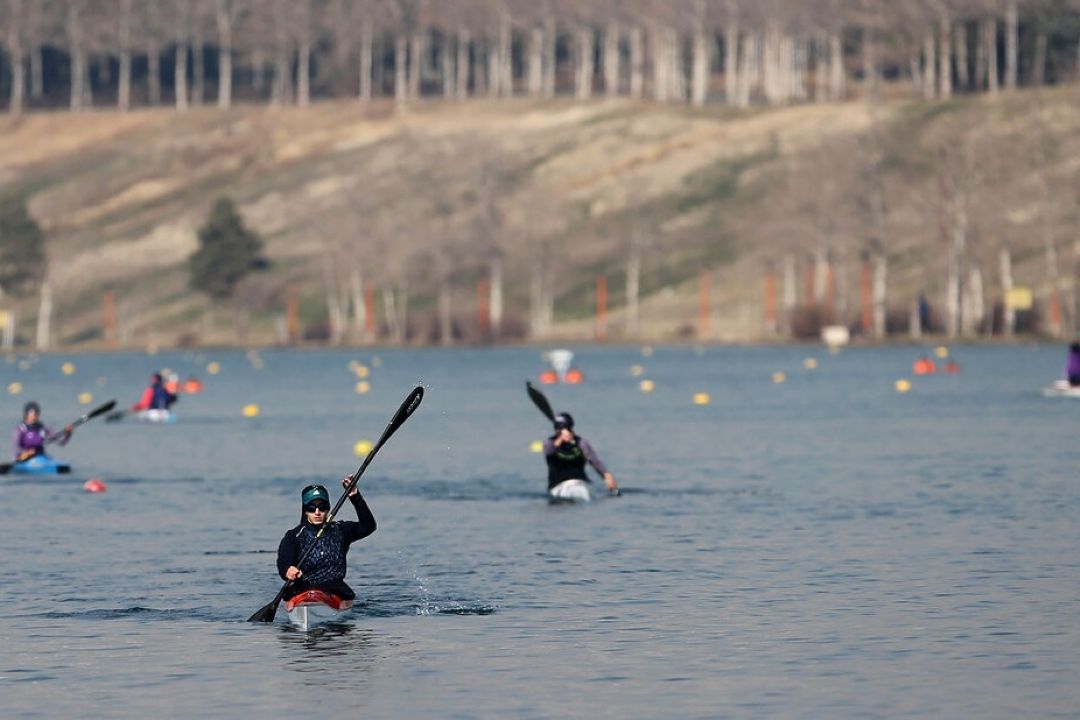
{"x": 100, "y": 410}
{"x": 544, "y": 406}
{"x": 266, "y": 613}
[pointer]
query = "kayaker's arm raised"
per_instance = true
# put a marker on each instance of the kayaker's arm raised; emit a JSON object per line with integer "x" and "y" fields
{"x": 365, "y": 524}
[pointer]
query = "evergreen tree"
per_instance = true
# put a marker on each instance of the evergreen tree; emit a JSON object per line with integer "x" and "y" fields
{"x": 22, "y": 246}
{"x": 227, "y": 252}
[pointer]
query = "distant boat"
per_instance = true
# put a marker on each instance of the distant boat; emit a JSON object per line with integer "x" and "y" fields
{"x": 1062, "y": 388}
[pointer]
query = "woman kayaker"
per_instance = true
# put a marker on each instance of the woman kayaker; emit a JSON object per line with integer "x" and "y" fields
{"x": 155, "y": 397}
{"x": 1072, "y": 365}
{"x": 324, "y": 567}
{"x": 566, "y": 454}
{"x": 32, "y": 434}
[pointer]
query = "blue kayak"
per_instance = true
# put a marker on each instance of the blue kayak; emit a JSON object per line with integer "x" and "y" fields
{"x": 37, "y": 465}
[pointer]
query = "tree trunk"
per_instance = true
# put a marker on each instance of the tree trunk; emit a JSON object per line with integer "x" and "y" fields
{"x": 929, "y": 65}
{"x": 1012, "y": 45}
{"x": 401, "y": 52}
{"x": 534, "y": 72}
{"x": 993, "y": 81}
{"x": 280, "y": 92}
{"x": 464, "y": 65}
{"x": 180, "y": 76}
{"x": 44, "y": 320}
{"x": 702, "y": 66}
{"x": 494, "y": 76}
{"x": 1008, "y": 311}
{"x": 506, "y": 57}
{"x": 633, "y": 289}
{"x": 945, "y": 57}
{"x": 446, "y": 65}
{"x": 359, "y": 306}
{"x": 836, "y": 67}
{"x": 303, "y": 74}
{"x": 1038, "y": 70}
{"x": 37, "y": 73}
{"x": 611, "y": 60}
{"x": 880, "y": 266}
{"x": 975, "y": 310}
{"x": 78, "y": 58}
{"x": 870, "y": 63}
{"x": 979, "y": 77}
{"x": 789, "y": 296}
{"x": 446, "y": 322}
{"x": 637, "y": 63}
{"x": 960, "y": 46}
{"x": 551, "y": 39}
{"x": 198, "y": 70}
{"x": 153, "y": 75}
{"x": 660, "y": 90}
{"x": 585, "y": 63}
{"x": 17, "y": 63}
{"x": 225, "y": 63}
{"x": 731, "y": 63}
{"x": 416, "y": 54}
{"x": 367, "y": 48}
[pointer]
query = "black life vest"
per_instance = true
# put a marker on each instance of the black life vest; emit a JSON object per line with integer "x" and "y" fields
{"x": 566, "y": 463}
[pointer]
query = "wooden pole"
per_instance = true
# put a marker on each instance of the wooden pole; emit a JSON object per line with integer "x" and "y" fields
{"x": 292, "y": 315}
{"x": 483, "y": 308}
{"x": 601, "y": 309}
{"x": 108, "y": 310}
{"x": 770, "y": 303}
{"x": 867, "y": 299}
{"x": 704, "y": 306}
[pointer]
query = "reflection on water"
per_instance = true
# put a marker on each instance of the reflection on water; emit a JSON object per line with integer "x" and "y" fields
{"x": 328, "y": 644}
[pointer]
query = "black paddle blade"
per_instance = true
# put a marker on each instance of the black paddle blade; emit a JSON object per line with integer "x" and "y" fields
{"x": 266, "y": 614}
{"x": 100, "y": 411}
{"x": 5, "y": 468}
{"x": 540, "y": 401}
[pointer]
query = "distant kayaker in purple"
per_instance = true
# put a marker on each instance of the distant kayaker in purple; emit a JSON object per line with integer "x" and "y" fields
{"x": 1072, "y": 365}
{"x": 567, "y": 452}
{"x": 32, "y": 434}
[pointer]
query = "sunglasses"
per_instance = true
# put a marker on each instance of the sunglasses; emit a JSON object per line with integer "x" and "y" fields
{"x": 312, "y": 507}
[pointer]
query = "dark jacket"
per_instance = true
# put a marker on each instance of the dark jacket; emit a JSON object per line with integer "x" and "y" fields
{"x": 325, "y": 566}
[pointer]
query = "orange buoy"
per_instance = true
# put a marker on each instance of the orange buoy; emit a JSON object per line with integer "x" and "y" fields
{"x": 574, "y": 376}
{"x": 193, "y": 386}
{"x": 93, "y": 485}
{"x": 924, "y": 366}
{"x": 952, "y": 367}
{"x": 549, "y": 377}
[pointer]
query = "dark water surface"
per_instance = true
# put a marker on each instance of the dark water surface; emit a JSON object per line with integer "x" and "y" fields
{"x": 825, "y": 547}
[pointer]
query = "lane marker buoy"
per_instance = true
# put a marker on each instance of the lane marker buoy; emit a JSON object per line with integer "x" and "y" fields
{"x": 701, "y": 398}
{"x": 537, "y": 446}
{"x": 93, "y": 485}
{"x": 362, "y": 448}
{"x": 647, "y": 386}
{"x": 252, "y": 410}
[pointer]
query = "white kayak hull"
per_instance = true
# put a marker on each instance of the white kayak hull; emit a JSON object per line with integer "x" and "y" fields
{"x": 315, "y": 607}
{"x": 1062, "y": 388}
{"x": 155, "y": 416}
{"x": 571, "y": 491}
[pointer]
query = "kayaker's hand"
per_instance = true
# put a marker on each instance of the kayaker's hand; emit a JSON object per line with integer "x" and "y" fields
{"x": 612, "y": 486}
{"x": 26, "y": 455}
{"x": 294, "y": 573}
{"x": 65, "y": 435}
{"x": 564, "y": 436}
{"x": 345, "y": 483}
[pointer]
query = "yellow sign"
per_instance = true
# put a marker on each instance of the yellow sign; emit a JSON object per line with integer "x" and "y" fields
{"x": 1019, "y": 298}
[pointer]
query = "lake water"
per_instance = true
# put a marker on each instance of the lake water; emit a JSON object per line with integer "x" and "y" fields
{"x": 825, "y": 547}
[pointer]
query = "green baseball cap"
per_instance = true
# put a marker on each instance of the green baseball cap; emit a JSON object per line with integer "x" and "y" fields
{"x": 312, "y": 493}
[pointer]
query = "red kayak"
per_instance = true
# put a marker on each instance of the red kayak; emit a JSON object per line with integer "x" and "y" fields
{"x": 312, "y": 607}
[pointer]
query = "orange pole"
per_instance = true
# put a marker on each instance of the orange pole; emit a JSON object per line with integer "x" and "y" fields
{"x": 108, "y": 302}
{"x": 867, "y": 299}
{"x": 704, "y": 305}
{"x": 770, "y": 302}
{"x": 601, "y": 308}
{"x": 1055, "y": 313}
{"x": 369, "y": 312}
{"x": 292, "y": 315}
{"x": 483, "y": 307}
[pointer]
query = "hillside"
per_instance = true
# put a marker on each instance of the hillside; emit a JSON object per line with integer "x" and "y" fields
{"x": 425, "y": 199}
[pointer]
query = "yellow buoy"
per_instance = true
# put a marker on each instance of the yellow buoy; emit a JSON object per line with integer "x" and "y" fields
{"x": 537, "y": 446}
{"x": 941, "y": 351}
{"x": 85, "y": 398}
{"x": 902, "y": 386}
{"x": 363, "y": 387}
{"x": 214, "y": 367}
{"x": 809, "y": 363}
{"x": 252, "y": 410}
{"x": 647, "y": 386}
{"x": 637, "y": 371}
{"x": 362, "y": 371}
{"x": 68, "y": 368}
{"x": 15, "y": 388}
{"x": 778, "y": 377}
{"x": 701, "y": 398}
{"x": 362, "y": 448}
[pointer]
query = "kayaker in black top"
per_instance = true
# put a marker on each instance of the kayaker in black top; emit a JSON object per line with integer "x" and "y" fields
{"x": 566, "y": 454}
{"x": 324, "y": 568}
